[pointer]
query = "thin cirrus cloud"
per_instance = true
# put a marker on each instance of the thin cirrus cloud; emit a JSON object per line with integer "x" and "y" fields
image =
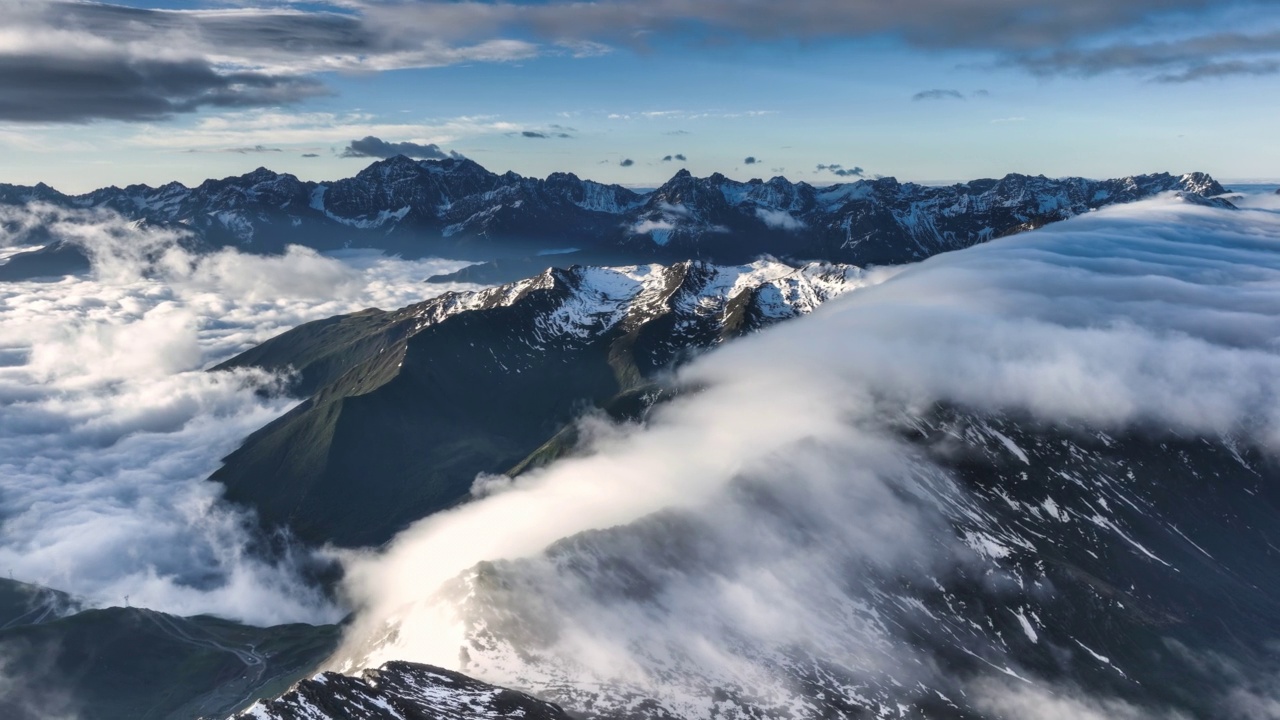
{"x": 69, "y": 61}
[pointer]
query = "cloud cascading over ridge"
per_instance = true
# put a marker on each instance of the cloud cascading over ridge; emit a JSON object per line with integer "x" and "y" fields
{"x": 716, "y": 542}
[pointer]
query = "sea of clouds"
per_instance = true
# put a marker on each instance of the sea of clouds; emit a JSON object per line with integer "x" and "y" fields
{"x": 109, "y": 424}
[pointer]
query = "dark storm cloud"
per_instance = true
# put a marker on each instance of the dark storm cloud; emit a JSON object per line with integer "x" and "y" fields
{"x": 627, "y": 163}
{"x": 50, "y": 88}
{"x": 750, "y": 160}
{"x": 841, "y": 171}
{"x": 379, "y": 148}
{"x": 938, "y": 95}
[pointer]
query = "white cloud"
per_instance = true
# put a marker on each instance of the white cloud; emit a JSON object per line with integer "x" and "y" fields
{"x": 1029, "y": 702}
{"x": 647, "y": 226}
{"x": 779, "y": 219}
{"x": 109, "y": 426}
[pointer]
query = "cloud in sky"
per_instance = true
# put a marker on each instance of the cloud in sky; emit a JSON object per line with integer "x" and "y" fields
{"x": 537, "y": 135}
{"x": 1199, "y": 57}
{"x": 750, "y": 160}
{"x": 938, "y": 94}
{"x": 273, "y": 128}
{"x": 379, "y": 148}
{"x": 254, "y": 150}
{"x": 1218, "y": 70}
{"x": 627, "y": 162}
{"x": 767, "y": 511}
{"x": 677, "y": 157}
{"x": 48, "y": 87}
{"x": 76, "y": 61}
{"x": 840, "y": 170}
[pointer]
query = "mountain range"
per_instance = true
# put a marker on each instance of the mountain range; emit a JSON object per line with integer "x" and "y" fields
{"x": 407, "y": 412}
{"x": 455, "y": 208}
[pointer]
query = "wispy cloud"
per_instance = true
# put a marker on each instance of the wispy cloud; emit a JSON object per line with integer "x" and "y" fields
{"x": 255, "y": 150}
{"x": 1196, "y": 57}
{"x": 273, "y": 128}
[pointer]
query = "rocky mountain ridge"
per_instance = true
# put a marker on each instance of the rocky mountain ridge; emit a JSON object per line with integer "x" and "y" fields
{"x": 456, "y": 208}
{"x": 404, "y": 408}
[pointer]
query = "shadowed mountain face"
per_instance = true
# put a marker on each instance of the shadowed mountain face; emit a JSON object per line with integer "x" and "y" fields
{"x": 455, "y": 208}
{"x": 59, "y": 660}
{"x": 404, "y": 408}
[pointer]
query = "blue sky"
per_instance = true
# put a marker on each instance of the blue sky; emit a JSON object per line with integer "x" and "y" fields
{"x": 208, "y": 89}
